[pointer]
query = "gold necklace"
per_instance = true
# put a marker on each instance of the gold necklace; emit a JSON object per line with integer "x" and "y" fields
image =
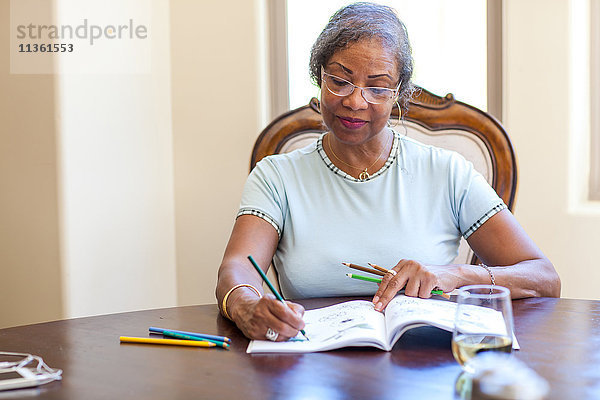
{"x": 364, "y": 174}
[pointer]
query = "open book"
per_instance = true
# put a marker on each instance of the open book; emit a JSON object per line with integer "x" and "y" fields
{"x": 356, "y": 323}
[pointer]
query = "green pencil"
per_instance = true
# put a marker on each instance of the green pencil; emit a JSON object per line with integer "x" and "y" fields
{"x": 378, "y": 280}
{"x": 270, "y": 285}
{"x": 364, "y": 278}
{"x": 190, "y": 337}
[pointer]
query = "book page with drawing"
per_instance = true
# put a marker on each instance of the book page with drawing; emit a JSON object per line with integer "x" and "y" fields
{"x": 353, "y": 323}
{"x": 356, "y": 323}
{"x": 404, "y": 313}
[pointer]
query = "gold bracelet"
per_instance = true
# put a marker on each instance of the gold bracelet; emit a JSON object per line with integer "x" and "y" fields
{"x": 224, "y": 304}
{"x": 489, "y": 270}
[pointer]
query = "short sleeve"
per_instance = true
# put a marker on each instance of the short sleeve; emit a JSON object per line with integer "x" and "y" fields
{"x": 475, "y": 201}
{"x": 264, "y": 195}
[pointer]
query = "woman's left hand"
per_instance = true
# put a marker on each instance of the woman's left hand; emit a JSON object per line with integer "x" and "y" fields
{"x": 419, "y": 280}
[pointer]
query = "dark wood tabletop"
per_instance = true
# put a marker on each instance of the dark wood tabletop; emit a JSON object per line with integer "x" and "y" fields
{"x": 559, "y": 338}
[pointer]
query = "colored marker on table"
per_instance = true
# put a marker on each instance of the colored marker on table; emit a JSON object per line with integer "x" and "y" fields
{"x": 224, "y": 339}
{"x": 173, "y": 342}
{"x": 176, "y": 335}
{"x": 378, "y": 280}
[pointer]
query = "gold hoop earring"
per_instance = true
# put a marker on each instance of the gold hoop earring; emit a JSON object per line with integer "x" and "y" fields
{"x": 389, "y": 124}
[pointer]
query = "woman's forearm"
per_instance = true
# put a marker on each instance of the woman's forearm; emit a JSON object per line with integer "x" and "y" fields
{"x": 231, "y": 274}
{"x": 529, "y": 278}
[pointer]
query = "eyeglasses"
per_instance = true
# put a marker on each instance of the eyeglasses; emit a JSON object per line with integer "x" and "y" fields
{"x": 372, "y": 94}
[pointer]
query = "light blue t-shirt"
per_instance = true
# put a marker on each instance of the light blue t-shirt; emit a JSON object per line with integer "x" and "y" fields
{"x": 416, "y": 207}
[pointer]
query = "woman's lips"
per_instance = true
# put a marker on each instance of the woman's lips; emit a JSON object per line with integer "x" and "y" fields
{"x": 352, "y": 123}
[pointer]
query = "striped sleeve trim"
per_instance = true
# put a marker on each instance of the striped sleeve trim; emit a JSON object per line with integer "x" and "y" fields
{"x": 260, "y": 214}
{"x": 496, "y": 209}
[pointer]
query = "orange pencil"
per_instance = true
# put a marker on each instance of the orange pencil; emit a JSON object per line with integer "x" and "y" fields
{"x": 382, "y": 271}
{"x": 438, "y": 292}
{"x": 378, "y": 268}
{"x": 364, "y": 269}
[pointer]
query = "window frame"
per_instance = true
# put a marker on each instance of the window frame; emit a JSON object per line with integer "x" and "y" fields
{"x": 279, "y": 71}
{"x": 278, "y": 80}
{"x": 594, "y": 179}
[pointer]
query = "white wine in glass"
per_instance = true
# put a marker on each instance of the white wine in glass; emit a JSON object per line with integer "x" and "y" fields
{"x": 483, "y": 322}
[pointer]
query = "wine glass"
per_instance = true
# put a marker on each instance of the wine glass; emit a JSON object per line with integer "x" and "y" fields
{"x": 483, "y": 322}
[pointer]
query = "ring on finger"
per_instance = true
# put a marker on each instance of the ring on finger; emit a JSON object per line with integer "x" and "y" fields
{"x": 271, "y": 335}
{"x": 391, "y": 271}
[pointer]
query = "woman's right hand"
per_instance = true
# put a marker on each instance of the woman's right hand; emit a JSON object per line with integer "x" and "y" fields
{"x": 255, "y": 317}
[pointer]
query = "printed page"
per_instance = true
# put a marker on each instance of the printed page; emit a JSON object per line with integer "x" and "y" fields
{"x": 353, "y": 323}
{"x": 403, "y": 313}
{"x": 486, "y": 321}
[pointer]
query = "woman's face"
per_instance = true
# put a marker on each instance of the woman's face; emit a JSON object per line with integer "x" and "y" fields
{"x": 351, "y": 118}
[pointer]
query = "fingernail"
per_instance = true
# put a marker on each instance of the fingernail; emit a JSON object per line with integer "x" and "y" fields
{"x": 375, "y": 299}
{"x": 379, "y": 306}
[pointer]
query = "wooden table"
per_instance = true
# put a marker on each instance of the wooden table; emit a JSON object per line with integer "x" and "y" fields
{"x": 560, "y": 339}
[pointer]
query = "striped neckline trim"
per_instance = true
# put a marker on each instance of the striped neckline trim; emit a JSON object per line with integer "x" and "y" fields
{"x": 392, "y": 157}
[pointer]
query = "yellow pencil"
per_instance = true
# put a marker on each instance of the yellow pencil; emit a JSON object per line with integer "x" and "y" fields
{"x": 175, "y": 342}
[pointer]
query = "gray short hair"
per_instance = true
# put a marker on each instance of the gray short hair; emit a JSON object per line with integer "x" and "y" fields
{"x": 360, "y": 21}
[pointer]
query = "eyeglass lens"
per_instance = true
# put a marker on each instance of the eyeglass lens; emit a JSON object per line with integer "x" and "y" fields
{"x": 341, "y": 87}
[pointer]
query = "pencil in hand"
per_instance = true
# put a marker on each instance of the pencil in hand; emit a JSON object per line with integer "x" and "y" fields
{"x": 377, "y": 267}
{"x": 364, "y": 278}
{"x": 365, "y": 269}
{"x": 378, "y": 280}
{"x": 270, "y": 285}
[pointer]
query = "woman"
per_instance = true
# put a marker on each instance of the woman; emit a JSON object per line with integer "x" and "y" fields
{"x": 363, "y": 193}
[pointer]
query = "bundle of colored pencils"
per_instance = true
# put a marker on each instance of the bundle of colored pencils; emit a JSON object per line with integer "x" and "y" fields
{"x": 181, "y": 338}
{"x": 377, "y": 270}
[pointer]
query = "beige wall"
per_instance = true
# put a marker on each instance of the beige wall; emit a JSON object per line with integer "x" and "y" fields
{"x": 30, "y": 267}
{"x": 87, "y": 221}
{"x": 116, "y": 182}
{"x": 216, "y": 89}
{"x": 538, "y": 116}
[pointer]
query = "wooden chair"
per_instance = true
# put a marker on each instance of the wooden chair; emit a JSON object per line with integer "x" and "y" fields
{"x": 439, "y": 121}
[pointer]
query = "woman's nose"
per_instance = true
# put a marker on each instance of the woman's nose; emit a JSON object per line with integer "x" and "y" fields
{"x": 356, "y": 100}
